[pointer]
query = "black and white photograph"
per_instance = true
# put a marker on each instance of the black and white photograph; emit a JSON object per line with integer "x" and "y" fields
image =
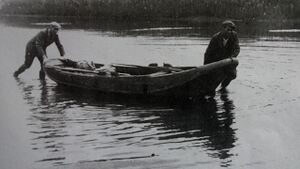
{"x": 149, "y": 84}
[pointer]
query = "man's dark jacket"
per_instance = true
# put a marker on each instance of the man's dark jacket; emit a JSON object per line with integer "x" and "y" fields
{"x": 42, "y": 40}
{"x": 217, "y": 51}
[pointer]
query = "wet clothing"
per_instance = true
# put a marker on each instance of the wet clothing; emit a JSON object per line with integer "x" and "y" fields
{"x": 220, "y": 48}
{"x": 36, "y": 47}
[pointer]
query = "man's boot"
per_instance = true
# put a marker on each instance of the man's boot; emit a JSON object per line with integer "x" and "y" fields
{"x": 20, "y": 70}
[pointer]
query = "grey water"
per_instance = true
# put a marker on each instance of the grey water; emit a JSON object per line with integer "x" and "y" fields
{"x": 254, "y": 124}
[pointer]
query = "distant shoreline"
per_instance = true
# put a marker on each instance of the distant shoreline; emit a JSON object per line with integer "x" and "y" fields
{"x": 197, "y": 19}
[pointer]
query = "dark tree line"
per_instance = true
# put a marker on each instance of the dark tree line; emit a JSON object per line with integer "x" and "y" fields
{"x": 154, "y": 9}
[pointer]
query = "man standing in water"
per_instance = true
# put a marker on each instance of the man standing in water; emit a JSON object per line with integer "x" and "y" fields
{"x": 36, "y": 47}
{"x": 224, "y": 44}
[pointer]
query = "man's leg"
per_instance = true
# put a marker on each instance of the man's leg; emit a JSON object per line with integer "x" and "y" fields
{"x": 230, "y": 75}
{"x": 225, "y": 83}
{"x": 28, "y": 62}
{"x": 42, "y": 72}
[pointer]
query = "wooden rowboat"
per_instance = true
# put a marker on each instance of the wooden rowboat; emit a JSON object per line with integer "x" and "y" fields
{"x": 141, "y": 80}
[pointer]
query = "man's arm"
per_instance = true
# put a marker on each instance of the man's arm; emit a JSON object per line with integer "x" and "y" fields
{"x": 236, "y": 46}
{"x": 59, "y": 46}
{"x": 210, "y": 50}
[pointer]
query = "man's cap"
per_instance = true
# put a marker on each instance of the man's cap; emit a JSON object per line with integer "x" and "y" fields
{"x": 55, "y": 25}
{"x": 229, "y": 23}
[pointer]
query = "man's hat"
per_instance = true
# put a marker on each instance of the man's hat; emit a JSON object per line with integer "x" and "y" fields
{"x": 229, "y": 23}
{"x": 55, "y": 25}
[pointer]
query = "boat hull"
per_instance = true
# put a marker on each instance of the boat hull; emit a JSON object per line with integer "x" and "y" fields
{"x": 191, "y": 82}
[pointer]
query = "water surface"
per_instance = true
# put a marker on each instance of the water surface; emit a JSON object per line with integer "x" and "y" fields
{"x": 254, "y": 124}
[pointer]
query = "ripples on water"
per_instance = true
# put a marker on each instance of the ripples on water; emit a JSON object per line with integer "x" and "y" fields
{"x": 71, "y": 125}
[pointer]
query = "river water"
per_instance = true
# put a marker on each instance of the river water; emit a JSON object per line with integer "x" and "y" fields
{"x": 254, "y": 124}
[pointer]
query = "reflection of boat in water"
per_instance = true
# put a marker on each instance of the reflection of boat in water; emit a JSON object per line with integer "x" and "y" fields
{"x": 61, "y": 115}
{"x": 141, "y": 80}
{"x": 205, "y": 122}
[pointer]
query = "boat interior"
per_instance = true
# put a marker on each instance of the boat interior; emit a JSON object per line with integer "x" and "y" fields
{"x": 121, "y": 69}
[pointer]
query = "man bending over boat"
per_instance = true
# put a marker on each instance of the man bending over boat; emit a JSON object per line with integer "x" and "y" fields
{"x": 224, "y": 44}
{"x": 36, "y": 47}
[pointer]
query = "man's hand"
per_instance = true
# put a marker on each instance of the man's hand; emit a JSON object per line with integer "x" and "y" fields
{"x": 45, "y": 57}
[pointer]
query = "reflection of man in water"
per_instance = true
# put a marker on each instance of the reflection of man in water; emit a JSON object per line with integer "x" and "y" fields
{"x": 224, "y": 44}
{"x": 36, "y": 47}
